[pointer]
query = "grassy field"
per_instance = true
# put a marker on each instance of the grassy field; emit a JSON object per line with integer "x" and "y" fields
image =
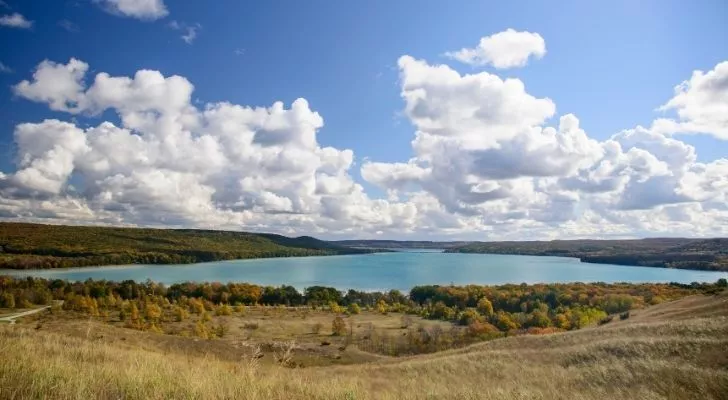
{"x": 675, "y": 350}
{"x": 24, "y": 246}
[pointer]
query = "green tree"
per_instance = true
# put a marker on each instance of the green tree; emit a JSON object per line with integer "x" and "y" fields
{"x": 539, "y": 319}
{"x": 8, "y": 300}
{"x": 504, "y": 322}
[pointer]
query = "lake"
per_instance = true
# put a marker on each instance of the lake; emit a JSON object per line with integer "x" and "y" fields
{"x": 384, "y": 271}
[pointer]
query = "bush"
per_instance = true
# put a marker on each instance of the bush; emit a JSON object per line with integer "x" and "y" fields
{"x": 338, "y": 326}
{"x": 221, "y": 330}
{"x": 354, "y": 308}
{"x": 468, "y": 317}
{"x": 224, "y": 309}
{"x": 335, "y": 308}
{"x": 7, "y": 300}
{"x": 180, "y": 314}
{"x": 504, "y": 322}
{"x": 482, "y": 330}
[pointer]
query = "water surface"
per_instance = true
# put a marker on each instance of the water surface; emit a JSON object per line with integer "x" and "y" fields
{"x": 383, "y": 271}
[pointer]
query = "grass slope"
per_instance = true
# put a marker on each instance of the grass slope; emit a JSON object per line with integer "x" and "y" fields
{"x": 676, "y": 350}
{"x": 50, "y": 246}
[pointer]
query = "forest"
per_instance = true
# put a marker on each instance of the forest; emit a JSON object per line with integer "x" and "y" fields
{"x": 682, "y": 253}
{"x": 36, "y": 246}
{"x": 485, "y": 311}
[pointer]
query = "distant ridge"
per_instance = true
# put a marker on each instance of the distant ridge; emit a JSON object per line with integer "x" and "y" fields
{"x": 30, "y": 246}
{"x": 682, "y": 253}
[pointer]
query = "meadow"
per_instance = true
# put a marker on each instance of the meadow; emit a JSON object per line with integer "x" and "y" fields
{"x": 674, "y": 350}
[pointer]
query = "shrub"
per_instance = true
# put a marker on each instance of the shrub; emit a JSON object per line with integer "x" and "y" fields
{"x": 251, "y": 325}
{"x": 196, "y": 306}
{"x": 562, "y": 321}
{"x": 205, "y": 317}
{"x": 539, "y": 319}
{"x": 504, "y": 322}
{"x": 201, "y": 330}
{"x": 482, "y": 330}
{"x": 154, "y": 328}
{"x": 468, "y": 317}
{"x": 224, "y": 309}
{"x": 338, "y": 326}
{"x": 543, "y": 331}
{"x": 7, "y": 300}
{"x": 354, "y": 308}
{"x": 152, "y": 312}
{"x": 221, "y": 330}
{"x": 335, "y": 308}
{"x": 441, "y": 311}
{"x": 180, "y": 314}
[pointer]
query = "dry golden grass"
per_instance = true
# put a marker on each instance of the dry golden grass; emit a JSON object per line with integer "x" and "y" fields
{"x": 676, "y": 350}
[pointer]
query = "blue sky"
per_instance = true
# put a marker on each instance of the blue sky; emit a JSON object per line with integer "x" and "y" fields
{"x": 610, "y": 64}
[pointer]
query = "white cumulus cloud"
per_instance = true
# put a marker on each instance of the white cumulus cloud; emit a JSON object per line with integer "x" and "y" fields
{"x": 140, "y": 9}
{"x": 15, "y": 20}
{"x": 170, "y": 163}
{"x": 507, "y": 49}
{"x": 701, "y": 104}
{"x": 489, "y": 161}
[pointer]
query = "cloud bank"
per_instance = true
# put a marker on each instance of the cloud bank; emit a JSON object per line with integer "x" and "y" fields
{"x": 491, "y": 161}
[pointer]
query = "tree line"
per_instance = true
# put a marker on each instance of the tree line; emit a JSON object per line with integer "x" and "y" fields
{"x": 483, "y": 309}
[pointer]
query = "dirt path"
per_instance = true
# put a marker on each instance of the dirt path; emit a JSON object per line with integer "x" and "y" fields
{"x": 11, "y": 318}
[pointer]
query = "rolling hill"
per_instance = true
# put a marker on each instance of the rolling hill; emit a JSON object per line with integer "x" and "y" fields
{"x": 675, "y": 350}
{"x": 24, "y": 246}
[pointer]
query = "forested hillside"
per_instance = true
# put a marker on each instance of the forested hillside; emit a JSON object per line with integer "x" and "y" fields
{"x": 702, "y": 254}
{"x": 25, "y": 246}
{"x": 398, "y": 244}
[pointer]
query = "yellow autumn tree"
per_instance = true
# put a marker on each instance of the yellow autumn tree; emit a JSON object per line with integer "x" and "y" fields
{"x": 485, "y": 307}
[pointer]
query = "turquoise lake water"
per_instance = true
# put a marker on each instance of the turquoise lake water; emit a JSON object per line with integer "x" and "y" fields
{"x": 384, "y": 271}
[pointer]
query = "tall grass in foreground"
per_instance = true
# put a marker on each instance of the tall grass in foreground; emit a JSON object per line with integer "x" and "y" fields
{"x": 656, "y": 360}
